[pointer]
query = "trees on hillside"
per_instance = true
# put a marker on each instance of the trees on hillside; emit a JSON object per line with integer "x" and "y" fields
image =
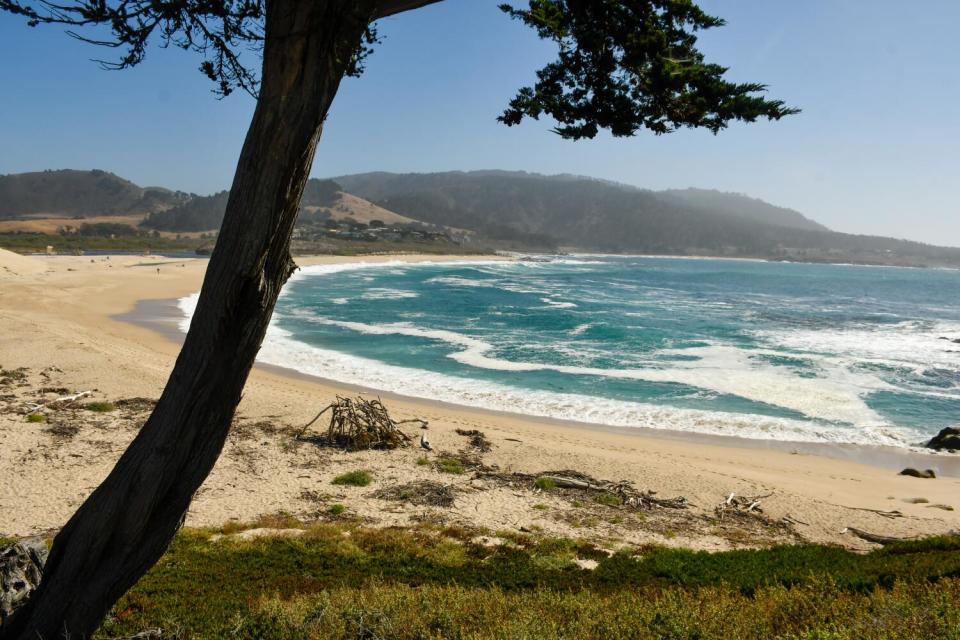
{"x": 623, "y": 66}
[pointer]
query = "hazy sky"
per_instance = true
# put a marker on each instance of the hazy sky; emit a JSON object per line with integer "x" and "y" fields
{"x": 876, "y": 149}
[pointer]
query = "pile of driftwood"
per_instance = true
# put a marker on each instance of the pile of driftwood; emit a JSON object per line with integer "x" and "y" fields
{"x": 420, "y": 493}
{"x": 358, "y": 423}
{"x": 744, "y": 509}
{"x": 60, "y": 402}
{"x": 625, "y": 491}
{"x": 735, "y": 504}
{"x": 478, "y": 439}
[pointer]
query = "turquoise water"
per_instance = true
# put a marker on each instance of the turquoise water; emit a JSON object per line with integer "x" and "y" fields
{"x": 765, "y": 350}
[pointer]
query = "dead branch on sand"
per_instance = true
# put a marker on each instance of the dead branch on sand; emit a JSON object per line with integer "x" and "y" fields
{"x": 875, "y": 537}
{"x": 742, "y": 508}
{"x": 880, "y": 512}
{"x": 741, "y": 504}
{"x": 624, "y": 490}
{"x": 358, "y": 423}
{"x": 420, "y": 493}
{"x": 31, "y": 407}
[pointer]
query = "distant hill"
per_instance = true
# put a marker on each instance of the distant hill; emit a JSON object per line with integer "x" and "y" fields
{"x": 581, "y": 213}
{"x": 201, "y": 213}
{"x": 739, "y": 206}
{"x": 322, "y": 199}
{"x": 488, "y": 209}
{"x": 69, "y": 192}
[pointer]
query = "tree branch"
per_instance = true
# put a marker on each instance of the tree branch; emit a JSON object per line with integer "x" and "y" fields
{"x": 392, "y": 7}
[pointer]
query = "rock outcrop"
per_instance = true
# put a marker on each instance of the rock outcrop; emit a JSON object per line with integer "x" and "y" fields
{"x": 947, "y": 439}
{"x": 929, "y": 474}
{"x": 21, "y": 567}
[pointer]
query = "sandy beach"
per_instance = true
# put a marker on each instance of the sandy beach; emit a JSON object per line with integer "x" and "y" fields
{"x": 66, "y": 326}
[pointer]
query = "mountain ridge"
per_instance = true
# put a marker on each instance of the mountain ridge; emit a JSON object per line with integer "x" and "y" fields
{"x": 499, "y": 209}
{"x": 593, "y": 214}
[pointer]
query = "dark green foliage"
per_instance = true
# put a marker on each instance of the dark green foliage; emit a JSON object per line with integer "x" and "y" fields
{"x": 788, "y": 566}
{"x": 224, "y": 32}
{"x": 218, "y": 29}
{"x": 38, "y": 242}
{"x": 79, "y": 193}
{"x": 622, "y": 66}
{"x": 202, "y": 213}
{"x": 916, "y": 611}
{"x": 228, "y": 578}
{"x": 628, "y": 66}
{"x": 106, "y": 229}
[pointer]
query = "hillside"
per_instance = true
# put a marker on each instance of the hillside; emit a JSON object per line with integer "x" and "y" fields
{"x": 546, "y": 212}
{"x": 201, "y": 213}
{"x": 486, "y": 209}
{"x": 739, "y": 206}
{"x": 69, "y": 192}
{"x": 350, "y": 207}
{"x": 322, "y": 200}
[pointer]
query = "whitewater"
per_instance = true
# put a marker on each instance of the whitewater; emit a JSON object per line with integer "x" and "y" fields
{"x": 790, "y": 352}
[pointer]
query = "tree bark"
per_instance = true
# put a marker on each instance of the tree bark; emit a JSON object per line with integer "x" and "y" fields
{"x": 127, "y": 523}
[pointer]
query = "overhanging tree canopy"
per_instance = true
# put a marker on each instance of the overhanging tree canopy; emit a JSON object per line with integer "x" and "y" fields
{"x": 623, "y": 66}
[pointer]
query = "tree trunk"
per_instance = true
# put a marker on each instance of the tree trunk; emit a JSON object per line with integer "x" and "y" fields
{"x": 127, "y": 523}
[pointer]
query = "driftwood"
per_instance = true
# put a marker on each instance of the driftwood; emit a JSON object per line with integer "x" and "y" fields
{"x": 875, "y": 537}
{"x": 421, "y": 493}
{"x": 624, "y": 490}
{"x": 358, "y": 423}
{"x": 36, "y": 406}
{"x": 740, "y": 504}
{"x": 478, "y": 439}
{"x": 880, "y": 512}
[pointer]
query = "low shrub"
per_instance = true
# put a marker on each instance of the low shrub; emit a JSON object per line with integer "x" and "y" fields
{"x": 450, "y": 465}
{"x": 546, "y": 484}
{"x": 608, "y": 499}
{"x": 339, "y": 579}
{"x": 357, "y": 478}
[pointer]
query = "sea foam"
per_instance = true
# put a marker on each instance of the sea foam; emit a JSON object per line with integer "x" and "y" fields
{"x": 819, "y": 372}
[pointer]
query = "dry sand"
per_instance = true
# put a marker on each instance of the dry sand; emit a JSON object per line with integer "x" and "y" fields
{"x": 58, "y": 320}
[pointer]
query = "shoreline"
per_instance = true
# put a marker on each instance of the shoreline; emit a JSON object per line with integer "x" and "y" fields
{"x": 189, "y": 255}
{"x": 66, "y": 323}
{"x": 164, "y": 316}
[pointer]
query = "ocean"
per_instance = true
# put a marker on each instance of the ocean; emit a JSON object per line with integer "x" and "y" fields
{"x": 790, "y": 352}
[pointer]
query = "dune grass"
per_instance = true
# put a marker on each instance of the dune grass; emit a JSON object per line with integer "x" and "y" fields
{"x": 546, "y": 484}
{"x": 357, "y": 478}
{"x": 344, "y": 581}
{"x": 450, "y": 465}
{"x": 100, "y": 406}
